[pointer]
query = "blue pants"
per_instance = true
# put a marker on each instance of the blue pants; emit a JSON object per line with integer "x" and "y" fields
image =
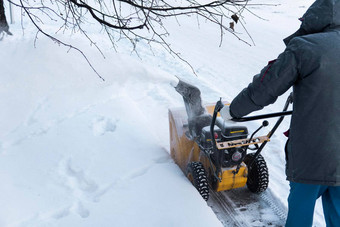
{"x": 301, "y": 203}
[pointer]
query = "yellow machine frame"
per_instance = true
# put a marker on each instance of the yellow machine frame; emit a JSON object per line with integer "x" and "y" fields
{"x": 184, "y": 150}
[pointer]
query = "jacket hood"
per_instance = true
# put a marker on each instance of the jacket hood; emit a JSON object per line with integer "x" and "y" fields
{"x": 321, "y": 15}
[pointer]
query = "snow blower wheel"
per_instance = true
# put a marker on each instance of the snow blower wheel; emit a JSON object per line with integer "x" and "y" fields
{"x": 257, "y": 174}
{"x": 198, "y": 177}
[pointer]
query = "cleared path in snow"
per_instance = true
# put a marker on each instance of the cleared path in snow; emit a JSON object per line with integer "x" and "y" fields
{"x": 241, "y": 208}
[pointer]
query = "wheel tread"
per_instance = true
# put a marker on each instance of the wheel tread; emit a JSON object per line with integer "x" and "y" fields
{"x": 200, "y": 178}
{"x": 259, "y": 171}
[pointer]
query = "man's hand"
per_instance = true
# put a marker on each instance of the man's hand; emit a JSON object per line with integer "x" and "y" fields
{"x": 225, "y": 114}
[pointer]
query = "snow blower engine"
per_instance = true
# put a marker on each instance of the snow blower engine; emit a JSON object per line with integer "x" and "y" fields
{"x": 213, "y": 154}
{"x": 224, "y": 133}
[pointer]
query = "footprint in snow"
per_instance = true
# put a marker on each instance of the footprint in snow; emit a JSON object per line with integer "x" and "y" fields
{"x": 102, "y": 125}
{"x": 83, "y": 190}
{"x": 81, "y": 210}
{"x": 78, "y": 181}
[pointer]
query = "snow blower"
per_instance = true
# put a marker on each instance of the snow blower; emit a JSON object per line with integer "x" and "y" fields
{"x": 212, "y": 153}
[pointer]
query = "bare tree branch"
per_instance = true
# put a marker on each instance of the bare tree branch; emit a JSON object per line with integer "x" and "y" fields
{"x": 134, "y": 20}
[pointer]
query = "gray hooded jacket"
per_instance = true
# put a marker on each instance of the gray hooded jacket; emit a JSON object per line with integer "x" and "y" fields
{"x": 311, "y": 64}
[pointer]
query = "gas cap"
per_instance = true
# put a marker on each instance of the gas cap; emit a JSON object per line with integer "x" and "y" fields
{"x": 236, "y": 156}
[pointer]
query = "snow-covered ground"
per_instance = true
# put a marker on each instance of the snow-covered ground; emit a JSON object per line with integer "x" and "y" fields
{"x": 77, "y": 151}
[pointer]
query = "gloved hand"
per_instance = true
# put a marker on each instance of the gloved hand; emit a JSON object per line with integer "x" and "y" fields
{"x": 225, "y": 114}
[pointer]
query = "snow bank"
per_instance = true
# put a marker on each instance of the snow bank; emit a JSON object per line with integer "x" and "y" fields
{"x": 76, "y": 151}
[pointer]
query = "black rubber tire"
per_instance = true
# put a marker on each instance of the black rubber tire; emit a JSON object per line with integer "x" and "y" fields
{"x": 258, "y": 177}
{"x": 198, "y": 177}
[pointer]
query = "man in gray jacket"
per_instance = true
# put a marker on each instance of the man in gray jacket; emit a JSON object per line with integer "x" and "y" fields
{"x": 311, "y": 65}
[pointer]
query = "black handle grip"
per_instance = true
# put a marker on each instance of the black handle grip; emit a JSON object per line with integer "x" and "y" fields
{"x": 264, "y": 116}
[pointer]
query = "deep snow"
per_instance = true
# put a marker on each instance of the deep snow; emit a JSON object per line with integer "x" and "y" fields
{"x": 76, "y": 151}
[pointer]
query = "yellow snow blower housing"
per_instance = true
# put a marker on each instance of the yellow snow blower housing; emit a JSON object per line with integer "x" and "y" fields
{"x": 213, "y": 154}
{"x": 185, "y": 150}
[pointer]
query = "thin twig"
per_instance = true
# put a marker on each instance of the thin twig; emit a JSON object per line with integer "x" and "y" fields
{"x": 59, "y": 41}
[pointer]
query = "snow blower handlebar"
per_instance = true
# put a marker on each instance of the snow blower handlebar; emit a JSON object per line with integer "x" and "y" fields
{"x": 280, "y": 114}
{"x": 219, "y": 105}
{"x": 264, "y": 116}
